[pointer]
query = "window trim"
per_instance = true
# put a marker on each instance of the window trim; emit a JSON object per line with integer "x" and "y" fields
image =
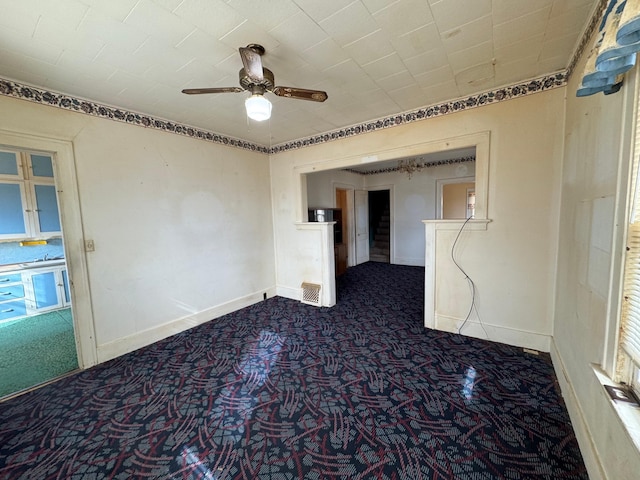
{"x": 616, "y": 361}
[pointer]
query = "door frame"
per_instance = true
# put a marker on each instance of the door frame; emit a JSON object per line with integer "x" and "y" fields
{"x": 358, "y": 255}
{"x": 350, "y": 224}
{"x": 72, "y": 233}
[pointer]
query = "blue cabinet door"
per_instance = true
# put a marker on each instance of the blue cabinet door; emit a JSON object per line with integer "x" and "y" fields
{"x": 9, "y": 164}
{"x": 45, "y": 290}
{"x": 12, "y": 309}
{"x": 47, "y": 208}
{"x": 41, "y": 165}
{"x": 12, "y": 221}
{"x": 11, "y": 292}
{"x": 7, "y": 278}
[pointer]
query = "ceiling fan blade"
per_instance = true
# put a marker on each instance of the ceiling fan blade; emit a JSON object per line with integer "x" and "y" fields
{"x": 252, "y": 63}
{"x": 301, "y": 93}
{"x": 199, "y": 91}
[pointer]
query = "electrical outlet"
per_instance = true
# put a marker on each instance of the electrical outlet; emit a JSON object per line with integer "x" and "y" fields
{"x": 89, "y": 246}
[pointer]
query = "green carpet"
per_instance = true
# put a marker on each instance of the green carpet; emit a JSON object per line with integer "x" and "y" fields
{"x": 36, "y": 349}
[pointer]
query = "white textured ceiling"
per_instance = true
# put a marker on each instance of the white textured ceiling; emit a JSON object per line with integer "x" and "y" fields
{"x": 374, "y": 58}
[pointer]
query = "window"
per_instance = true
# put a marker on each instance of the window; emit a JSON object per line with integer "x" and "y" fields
{"x": 629, "y": 351}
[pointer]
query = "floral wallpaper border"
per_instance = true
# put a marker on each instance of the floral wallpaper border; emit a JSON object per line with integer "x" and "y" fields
{"x": 437, "y": 163}
{"x": 547, "y": 82}
{"x": 14, "y": 89}
{"x": 45, "y": 97}
{"x": 593, "y": 25}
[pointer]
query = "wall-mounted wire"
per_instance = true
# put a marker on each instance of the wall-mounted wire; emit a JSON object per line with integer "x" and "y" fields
{"x": 471, "y": 283}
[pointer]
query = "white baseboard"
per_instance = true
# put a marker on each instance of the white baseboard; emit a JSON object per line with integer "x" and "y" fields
{"x": 289, "y": 292}
{"x": 409, "y": 261}
{"x": 115, "y": 348}
{"x": 495, "y": 333}
{"x": 587, "y": 448}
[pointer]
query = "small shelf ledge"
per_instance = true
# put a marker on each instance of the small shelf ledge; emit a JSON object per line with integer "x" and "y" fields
{"x": 474, "y": 224}
{"x": 312, "y": 225}
{"x": 628, "y": 413}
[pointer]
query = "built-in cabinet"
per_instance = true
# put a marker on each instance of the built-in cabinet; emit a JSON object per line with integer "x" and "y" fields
{"x": 12, "y": 301}
{"x": 28, "y": 211}
{"x": 28, "y": 200}
{"x": 33, "y": 291}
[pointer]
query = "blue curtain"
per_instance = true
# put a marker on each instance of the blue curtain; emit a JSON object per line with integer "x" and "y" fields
{"x": 614, "y": 50}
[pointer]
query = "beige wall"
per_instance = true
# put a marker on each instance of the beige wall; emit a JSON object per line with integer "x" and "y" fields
{"x": 595, "y": 168}
{"x": 513, "y": 262}
{"x": 182, "y": 227}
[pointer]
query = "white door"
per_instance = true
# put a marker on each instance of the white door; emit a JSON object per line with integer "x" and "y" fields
{"x": 362, "y": 226}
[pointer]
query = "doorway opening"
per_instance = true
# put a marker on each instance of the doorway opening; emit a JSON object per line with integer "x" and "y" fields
{"x": 380, "y": 226}
{"x": 341, "y": 244}
{"x": 37, "y": 338}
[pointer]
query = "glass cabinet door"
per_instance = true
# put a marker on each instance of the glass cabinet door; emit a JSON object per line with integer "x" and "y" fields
{"x": 48, "y": 218}
{"x": 13, "y": 222}
{"x": 41, "y": 165}
{"x": 45, "y": 290}
{"x": 28, "y": 197}
{"x": 9, "y": 165}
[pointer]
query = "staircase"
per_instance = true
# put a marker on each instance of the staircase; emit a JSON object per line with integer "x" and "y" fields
{"x": 379, "y": 250}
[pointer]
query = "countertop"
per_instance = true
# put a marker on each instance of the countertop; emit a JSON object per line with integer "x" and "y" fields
{"x": 17, "y": 267}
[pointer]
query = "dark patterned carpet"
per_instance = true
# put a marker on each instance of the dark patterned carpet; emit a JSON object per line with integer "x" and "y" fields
{"x": 282, "y": 390}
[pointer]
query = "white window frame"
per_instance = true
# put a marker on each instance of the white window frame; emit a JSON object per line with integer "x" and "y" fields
{"x": 626, "y": 369}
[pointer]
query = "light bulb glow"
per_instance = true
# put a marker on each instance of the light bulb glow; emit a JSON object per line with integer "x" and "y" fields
{"x": 258, "y": 108}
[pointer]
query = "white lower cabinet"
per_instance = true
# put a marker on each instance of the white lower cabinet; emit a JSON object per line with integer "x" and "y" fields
{"x": 33, "y": 291}
{"x": 45, "y": 289}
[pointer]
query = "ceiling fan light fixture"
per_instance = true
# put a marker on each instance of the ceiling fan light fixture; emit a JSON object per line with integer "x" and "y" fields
{"x": 258, "y": 107}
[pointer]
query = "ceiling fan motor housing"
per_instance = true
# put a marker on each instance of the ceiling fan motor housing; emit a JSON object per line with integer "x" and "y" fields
{"x": 267, "y": 82}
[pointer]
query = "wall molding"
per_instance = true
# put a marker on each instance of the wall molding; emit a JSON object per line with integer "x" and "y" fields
{"x": 586, "y": 36}
{"x": 42, "y": 96}
{"x": 521, "y": 89}
{"x": 10, "y": 88}
{"x": 110, "y": 350}
{"x": 451, "y": 161}
{"x": 493, "y": 333}
{"x": 289, "y": 292}
{"x": 576, "y": 414}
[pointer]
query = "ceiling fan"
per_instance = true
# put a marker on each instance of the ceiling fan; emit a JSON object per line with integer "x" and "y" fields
{"x": 256, "y": 79}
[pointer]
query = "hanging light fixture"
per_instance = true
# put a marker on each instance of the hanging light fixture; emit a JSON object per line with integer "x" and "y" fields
{"x": 410, "y": 166}
{"x": 258, "y": 107}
